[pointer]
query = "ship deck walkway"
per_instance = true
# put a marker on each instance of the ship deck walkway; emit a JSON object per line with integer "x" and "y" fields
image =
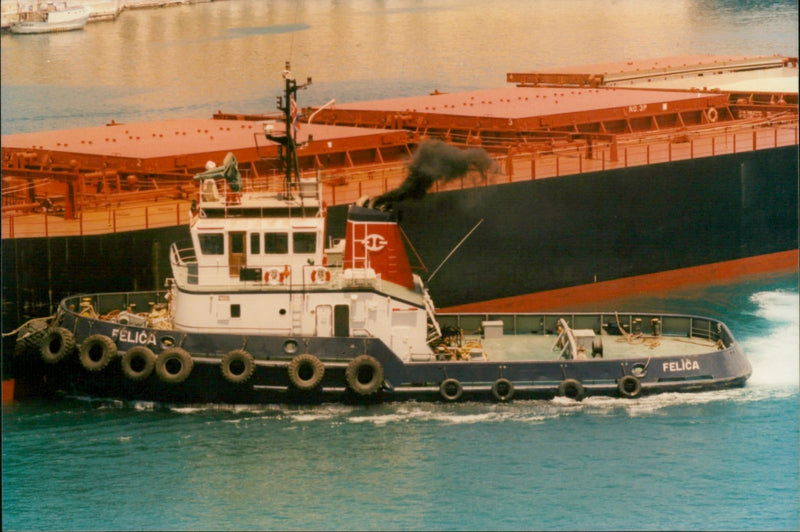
{"x": 346, "y": 185}
{"x": 543, "y": 347}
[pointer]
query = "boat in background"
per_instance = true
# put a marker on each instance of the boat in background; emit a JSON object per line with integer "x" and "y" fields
{"x": 50, "y": 17}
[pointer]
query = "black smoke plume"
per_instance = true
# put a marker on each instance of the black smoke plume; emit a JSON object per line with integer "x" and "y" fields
{"x": 434, "y": 161}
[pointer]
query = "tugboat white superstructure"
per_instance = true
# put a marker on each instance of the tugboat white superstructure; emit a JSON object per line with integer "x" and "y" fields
{"x": 260, "y": 308}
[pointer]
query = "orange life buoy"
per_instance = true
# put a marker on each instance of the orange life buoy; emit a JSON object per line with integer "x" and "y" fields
{"x": 273, "y": 276}
{"x": 320, "y": 275}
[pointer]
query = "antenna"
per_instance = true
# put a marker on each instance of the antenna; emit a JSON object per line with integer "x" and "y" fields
{"x": 454, "y": 250}
{"x": 291, "y": 113}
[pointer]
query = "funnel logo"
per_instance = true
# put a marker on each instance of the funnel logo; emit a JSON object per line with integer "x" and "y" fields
{"x": 374, "y": 242}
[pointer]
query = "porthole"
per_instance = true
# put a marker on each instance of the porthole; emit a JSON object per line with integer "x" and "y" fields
{"x": 167, "y": 341}
{"x": 290, "y": 346}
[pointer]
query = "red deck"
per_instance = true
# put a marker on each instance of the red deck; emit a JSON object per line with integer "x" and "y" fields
{"x": 520, "y": 108}
{"x": 604, "y": 73}
{"x": 185, "y": 145}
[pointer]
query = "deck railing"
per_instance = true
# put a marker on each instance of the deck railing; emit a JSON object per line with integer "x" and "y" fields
{"x": 346, "y": 185}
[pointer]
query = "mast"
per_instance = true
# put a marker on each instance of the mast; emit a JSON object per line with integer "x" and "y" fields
{"x": 288, "y": 105}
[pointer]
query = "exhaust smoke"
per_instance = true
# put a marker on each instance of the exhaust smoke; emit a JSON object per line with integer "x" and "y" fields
{"x": 435, "y": 160}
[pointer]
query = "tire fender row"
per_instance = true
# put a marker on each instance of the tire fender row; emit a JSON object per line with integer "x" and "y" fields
{"x": 364, "y": 375}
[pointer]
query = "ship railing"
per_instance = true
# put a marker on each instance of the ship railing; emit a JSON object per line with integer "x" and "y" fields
{"x": 269, "y": 277}
{"x": 346, "y": 185}
{"x": 523, "y": 163}
{"x": 184, "y": 263}
{"x": 615, "y": 323}
{"x": 112, "y": 302}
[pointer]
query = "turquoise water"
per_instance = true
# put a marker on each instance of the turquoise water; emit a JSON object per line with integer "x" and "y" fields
{"x": 716, "y": 460}
{"x": 720, "y": 460}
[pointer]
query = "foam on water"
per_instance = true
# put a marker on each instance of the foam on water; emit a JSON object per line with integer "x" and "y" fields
{"x": 775, "y": 355}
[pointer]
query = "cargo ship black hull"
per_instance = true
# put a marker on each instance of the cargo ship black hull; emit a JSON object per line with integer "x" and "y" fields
{"x": 535, "y": 236}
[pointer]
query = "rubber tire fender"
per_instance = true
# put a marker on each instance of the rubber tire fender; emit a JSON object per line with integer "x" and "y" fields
{"x": 94, "y": 345}
{"x": 131, "y": 357}
{"x": 29, "y": 339}
{"x": 299, "y": 366}
{"x": 500, "y": 386}
{"x": 356, "y": 371}
{"x": 629, "y": 386}
{"x": 57, "y": 343}
{"x": 572, "y": 389}
{"x": 232, "y": 357}
{"x": 163, "y": 369}
{"x": 451, "y": 390}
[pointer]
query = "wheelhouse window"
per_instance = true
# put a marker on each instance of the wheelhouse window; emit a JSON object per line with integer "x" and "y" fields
{"x": 255, "y": 243}
{"x": 211, "y": 243}
{"x": 304, "y": 242}
{"x": 276, "y": 243}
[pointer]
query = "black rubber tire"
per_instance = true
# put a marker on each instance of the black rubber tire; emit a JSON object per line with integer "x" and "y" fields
{"x": 572, "y": 389}
{"x": 166, "y": 362}
{"x": 503, "y": 390}
{"x": 233, "y": 361}
{"x": 57, "y": 344}
{"x": 97, "y": 351}
{"x": 29, "y": 337}
{"x": 451, "y": 390}
{"x": 629, "y": 387}
{"x": 364, "y": 375}
{"x": 136, "y": 357}
{"x": 299, "y": 369}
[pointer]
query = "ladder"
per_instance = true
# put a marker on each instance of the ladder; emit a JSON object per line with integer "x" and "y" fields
{"x": 434, "y": 331}
{"x": 296, "y": 305}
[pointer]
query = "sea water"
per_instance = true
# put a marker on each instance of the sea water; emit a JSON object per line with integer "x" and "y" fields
{"x": 713, "y": 460}
{"x": 716, "y": 460}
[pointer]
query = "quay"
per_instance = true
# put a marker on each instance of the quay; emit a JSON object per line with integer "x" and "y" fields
{"x": 101, "y": 9}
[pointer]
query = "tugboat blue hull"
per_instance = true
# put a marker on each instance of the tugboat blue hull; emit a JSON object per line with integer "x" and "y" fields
{"x": 73, "y": 356}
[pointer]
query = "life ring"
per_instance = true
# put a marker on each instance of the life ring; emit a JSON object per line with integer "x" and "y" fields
{"x": 503, "y": 390}
{"x": 138, "y": 363}
{"x": 174, "y": 365}
{"x": 306, "y": 371}
{"x": 451, "y": 390}
{"x": 273, "y": 276}
{"x": 629, "y": 386}
{"x": 364, "y": 375}
{"x": 237, "y": 366}
{"x": 712, "y": 114}
{"x": 320, "y": 275}
{"x": 56, "y": 344}
{"x": 572, "y": 389}
{"x": 97, "y": 351}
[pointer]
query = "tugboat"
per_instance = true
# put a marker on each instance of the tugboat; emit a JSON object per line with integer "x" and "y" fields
{"x": 260, "y": 310}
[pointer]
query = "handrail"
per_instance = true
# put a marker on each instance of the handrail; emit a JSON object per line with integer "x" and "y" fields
{"x": 345, "y": 185}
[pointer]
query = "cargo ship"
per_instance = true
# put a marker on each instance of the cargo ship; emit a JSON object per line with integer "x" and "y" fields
{"x": 258, "y": 310}
{"x": 600, "y": 186}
